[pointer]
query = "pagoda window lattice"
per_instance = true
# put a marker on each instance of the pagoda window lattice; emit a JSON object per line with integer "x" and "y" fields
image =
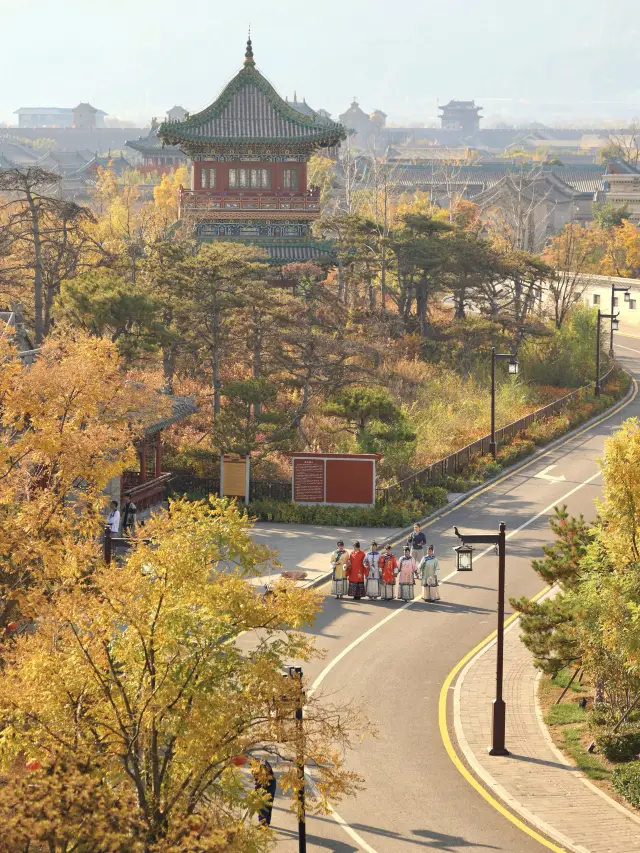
{"x": 291, "y": 179}
{"x": 208, "y": 179}
{"x": 250, "y": 178}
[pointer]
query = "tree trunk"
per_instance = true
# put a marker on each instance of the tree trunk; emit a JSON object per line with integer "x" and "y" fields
{"x": 215, "y": 362}
{"x": 37, "y": 270}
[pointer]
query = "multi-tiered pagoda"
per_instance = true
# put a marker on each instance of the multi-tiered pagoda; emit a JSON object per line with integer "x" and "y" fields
{"x": 250, "y": 150}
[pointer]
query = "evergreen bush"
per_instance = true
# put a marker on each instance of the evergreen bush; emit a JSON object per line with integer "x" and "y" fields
{"x": 626, "y": 781}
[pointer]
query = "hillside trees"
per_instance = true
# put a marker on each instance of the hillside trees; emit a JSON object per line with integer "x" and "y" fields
{"x": 45, "y": 240}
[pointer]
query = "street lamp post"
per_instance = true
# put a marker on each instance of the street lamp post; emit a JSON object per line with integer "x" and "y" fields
{"x": 615, "y": 290}
{"x": 498, "y": 721}
{"x": 296, "y": 673}
{"x": 513, "y": 370}
{"x": 614, "y": 325}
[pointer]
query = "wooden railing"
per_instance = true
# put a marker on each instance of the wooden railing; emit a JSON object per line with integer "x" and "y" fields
{"x": 145, "y": 495}
{"x": 195, "y": 200}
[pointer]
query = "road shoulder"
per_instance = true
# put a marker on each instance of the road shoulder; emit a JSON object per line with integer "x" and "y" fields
{"x": 535, "y": 781}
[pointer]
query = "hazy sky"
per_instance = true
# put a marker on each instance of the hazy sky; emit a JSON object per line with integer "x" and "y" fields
{"x": 136, "y": 58}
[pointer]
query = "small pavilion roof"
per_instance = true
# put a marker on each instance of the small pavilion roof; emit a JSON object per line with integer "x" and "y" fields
{"x": 249, "y": 110}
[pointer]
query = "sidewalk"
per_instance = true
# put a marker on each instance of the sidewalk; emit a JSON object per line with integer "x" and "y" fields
{"x": 535, "y": 781}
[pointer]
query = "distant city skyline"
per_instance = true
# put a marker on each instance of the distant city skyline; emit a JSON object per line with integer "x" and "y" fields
{"x": 565, "y": 62}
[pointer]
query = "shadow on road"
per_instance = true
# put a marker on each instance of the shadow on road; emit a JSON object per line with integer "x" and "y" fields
{"x": 529, "y": 760}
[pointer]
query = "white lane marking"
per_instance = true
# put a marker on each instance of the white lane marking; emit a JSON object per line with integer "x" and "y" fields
{"x": 622, "y": 346}
{"x": 340, "y": 820}
{"x": 544, "y": 475}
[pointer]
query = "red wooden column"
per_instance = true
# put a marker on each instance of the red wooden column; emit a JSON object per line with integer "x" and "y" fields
{"x": 158, "y": 454}
{"x": 143, "y": 462}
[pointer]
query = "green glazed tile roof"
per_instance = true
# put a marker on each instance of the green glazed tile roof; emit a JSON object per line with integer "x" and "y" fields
{"x": 250, "y": 110}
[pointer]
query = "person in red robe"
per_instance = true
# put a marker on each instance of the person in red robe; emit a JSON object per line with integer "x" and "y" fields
{"x": 356, "y": 571}
{"x": 388, "y": 571}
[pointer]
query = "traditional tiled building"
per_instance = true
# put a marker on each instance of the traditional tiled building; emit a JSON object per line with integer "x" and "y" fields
{"x": 250, "y": 150}
{"x": 460, "y": 115}
{"x": 157, "y": 157}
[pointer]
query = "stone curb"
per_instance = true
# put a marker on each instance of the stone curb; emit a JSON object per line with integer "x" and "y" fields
{"x": 507, "y": 472}
{"x": 562, "y": 758}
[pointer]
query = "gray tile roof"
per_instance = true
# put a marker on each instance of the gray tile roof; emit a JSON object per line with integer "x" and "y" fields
{"x": 181, "y": 408}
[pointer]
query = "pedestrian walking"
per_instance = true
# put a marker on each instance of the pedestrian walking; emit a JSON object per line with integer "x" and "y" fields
{"x": 407, "y": 570}
{"x": 429, "y": 570}
{"x": 128, "y": 515}
{"x": 372, "y": 568}
{"x": 356, "y": 571}
{"x": 388, "y": 571}
{"x": 339, "y": 559}
{"x": 265, "y": 780}
{"x": 113, "y": 519}
{"x": 417, "y": 541}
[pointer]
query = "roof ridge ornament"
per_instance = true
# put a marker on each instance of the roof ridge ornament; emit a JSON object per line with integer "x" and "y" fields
{"x": 248, "y": 56}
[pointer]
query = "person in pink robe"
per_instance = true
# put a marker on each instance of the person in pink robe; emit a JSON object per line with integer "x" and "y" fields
{"x": 407, "y": 570}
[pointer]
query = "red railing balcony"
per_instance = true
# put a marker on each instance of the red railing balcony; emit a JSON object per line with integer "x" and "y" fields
{"x": 145, "y": 495}
{"x": 206, "y": 200}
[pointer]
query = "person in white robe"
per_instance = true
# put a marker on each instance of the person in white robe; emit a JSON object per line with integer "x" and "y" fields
{"x": 372, "y": 565}
{"x": 429, "y": 571}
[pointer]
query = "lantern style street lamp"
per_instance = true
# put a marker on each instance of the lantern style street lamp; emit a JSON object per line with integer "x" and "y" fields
{"x": 614, "y": 323}
{"x": 499, "y": 714}
{"x": 464, "y": 558}
{"x": 513, "y": 371}
{"x": 614, "y": 326}
{"x": 295, "y": 672}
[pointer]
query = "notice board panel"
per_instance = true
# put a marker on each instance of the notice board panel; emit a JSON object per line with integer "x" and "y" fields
{"x": 235, "y": 478}
{"x": 308, "y": 480}
{"x": 350, "y": 481}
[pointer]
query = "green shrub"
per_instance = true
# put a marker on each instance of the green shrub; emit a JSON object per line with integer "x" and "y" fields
{"x": 350, "y": 516}
{"x": 626, "y": 781}
{"x": 619, "y": 746}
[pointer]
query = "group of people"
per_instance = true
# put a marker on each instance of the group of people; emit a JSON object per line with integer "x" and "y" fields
{"x": 374, "y": 573}
{"x": 128, "y": 517}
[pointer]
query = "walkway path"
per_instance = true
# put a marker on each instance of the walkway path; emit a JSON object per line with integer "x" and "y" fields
{"x": 535, "y": 780}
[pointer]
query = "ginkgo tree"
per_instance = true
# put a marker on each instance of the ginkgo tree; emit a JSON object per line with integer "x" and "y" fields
{"x": 144, "y": 682}
{"x": 67, "y": 426}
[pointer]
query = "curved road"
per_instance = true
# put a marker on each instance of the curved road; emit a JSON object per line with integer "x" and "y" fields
{"x": 415, "y": 799}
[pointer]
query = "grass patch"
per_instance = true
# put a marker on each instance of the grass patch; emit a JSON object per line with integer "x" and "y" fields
{"x": 574, "y": 745}
{"x": 562, "y": 715}
{"x": 564, "y": 677}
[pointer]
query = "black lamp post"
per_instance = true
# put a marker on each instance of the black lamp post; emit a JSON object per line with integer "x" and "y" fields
{"x": 513, "y": 370}
{"x": 296, "y": 673}
{"x": 614, "y": 327}
{"x": 498, "y": 722}
{"x": 615, "y": 290}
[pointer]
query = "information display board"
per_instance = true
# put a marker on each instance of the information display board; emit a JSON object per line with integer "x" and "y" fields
{"x": 234, "y": 477}
{"x": 308, "y": 480}
{"x": 334, "y": 478}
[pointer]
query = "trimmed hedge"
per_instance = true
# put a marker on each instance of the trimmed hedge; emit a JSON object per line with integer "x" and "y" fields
{"x": 618, "y": 746}
{"x": 351, "y": 516}
{"x": 626, "y": 781}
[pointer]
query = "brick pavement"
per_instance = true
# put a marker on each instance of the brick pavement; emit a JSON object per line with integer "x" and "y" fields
{"x": 535, "y": 781}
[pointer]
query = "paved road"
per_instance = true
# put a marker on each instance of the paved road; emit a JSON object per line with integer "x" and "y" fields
{"x": 415, "y": 799}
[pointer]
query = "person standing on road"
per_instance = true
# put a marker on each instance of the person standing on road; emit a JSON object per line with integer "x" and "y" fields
{"x": 339, "y": 582}
{"x": 372, "y": 566}
{"x": 388, "y": 571}
{"x": 265, "y": 780}
{"x": 430, "y": 573}
{"x": 417, "y": 542}
{"x": 356, "y": 571}
{"x": 407, "y": 570}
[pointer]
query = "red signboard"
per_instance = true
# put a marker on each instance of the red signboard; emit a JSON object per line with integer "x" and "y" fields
{"x": 334, "y": 478}
{"x": 308, "y": 480}
{"x": 350, "y": 481}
